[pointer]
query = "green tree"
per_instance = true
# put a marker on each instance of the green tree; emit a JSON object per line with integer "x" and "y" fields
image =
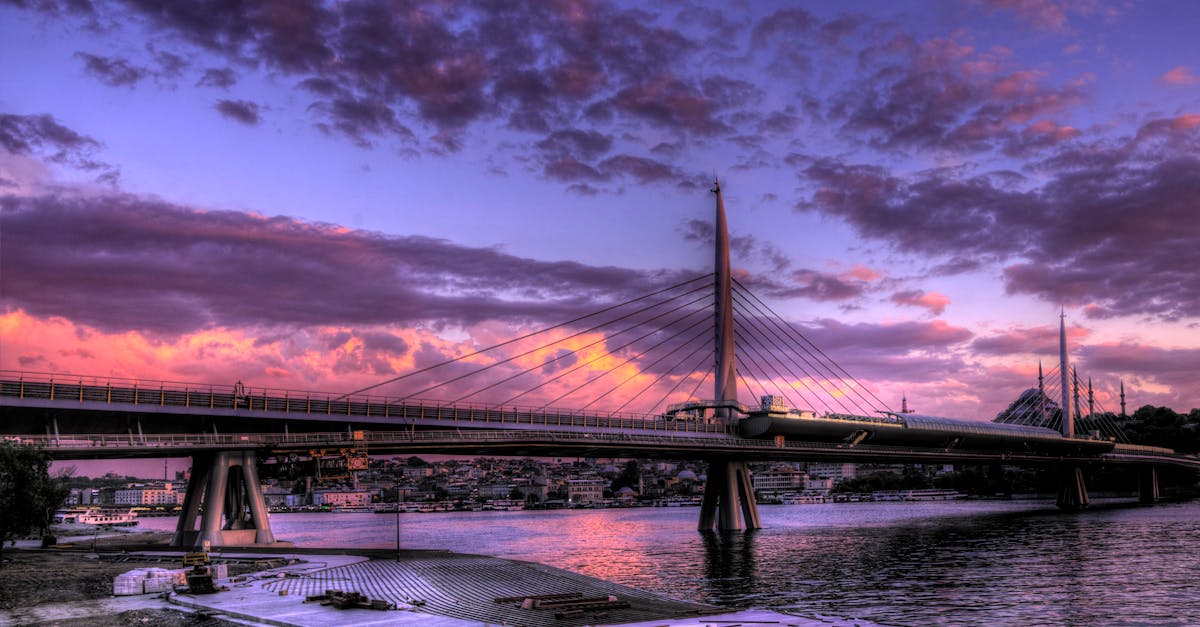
{"x": 629, "y": 477}
{"x": 28, "y": 494}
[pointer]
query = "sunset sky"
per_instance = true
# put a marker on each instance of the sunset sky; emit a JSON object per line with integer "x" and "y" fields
{"x": 321, "y": 196}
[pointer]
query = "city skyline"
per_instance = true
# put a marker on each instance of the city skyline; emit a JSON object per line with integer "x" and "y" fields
{"x": 322, "y": 197}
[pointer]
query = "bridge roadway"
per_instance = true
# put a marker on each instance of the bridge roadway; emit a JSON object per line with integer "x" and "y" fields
{"x": 74, "y": 418}
{"x": 550, "y": 443}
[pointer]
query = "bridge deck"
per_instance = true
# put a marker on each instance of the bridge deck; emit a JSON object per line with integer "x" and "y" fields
{"x": 412, "y": 426}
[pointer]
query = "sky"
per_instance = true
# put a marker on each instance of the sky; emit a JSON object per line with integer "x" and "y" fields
{"x": 324, "y": 196}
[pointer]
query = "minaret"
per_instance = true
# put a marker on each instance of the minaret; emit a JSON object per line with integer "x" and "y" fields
{"x": 904, "y": 404}
{"x": 1068, "y": 426}
{"x": 726, "y": 372}
{"x": 1075, "y": 391}
{"x": 1091, "y": 399}
{"x": 1041, "y": 394}
{"x": 1123, "y": 414}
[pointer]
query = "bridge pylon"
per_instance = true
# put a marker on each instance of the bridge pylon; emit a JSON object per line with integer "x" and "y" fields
{"x": 1148, "y": 484}
{"x": 729, "y": 503}
{"x": 1072, "y": 490}
{"x": 226, "y": 485}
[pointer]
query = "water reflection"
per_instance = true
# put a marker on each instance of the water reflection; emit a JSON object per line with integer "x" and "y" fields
{"x": 918, "y": 564}
{"x": 729, "y": 566}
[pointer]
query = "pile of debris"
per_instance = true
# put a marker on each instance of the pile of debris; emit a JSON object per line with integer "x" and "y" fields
{"x": 348, "y": 601}
{"x": 567, "y": 605}
{"x": 199, "y": 579}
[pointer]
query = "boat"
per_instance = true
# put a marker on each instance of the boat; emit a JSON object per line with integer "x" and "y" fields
{"x": 801, "y": 499}
{"x": 99, "y": 517}
{"x": 931, "y": 495}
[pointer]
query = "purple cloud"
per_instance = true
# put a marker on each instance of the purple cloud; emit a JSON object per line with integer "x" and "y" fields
{"x": 220, "y": 78}
{"x": 242, "y": 111}
{"x": 45, "y": 136}
{"x": 111, "y": 71}
{"x": 940, "y": 94}
{"x": 1081, "y": 237}
{"x": 119, "y": 262}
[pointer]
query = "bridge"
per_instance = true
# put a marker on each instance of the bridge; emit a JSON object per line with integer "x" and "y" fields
{"x": 227, "y": 429}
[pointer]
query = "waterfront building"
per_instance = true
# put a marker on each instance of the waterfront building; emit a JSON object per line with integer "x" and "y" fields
{"x": 836, "y": 471}
{"x": 342, "y": 498}
{"x": 153, "y": 495}
{"x": 585, "y": 491}
{"x": 823, "y": 485}
{"x": 778, "y": 479}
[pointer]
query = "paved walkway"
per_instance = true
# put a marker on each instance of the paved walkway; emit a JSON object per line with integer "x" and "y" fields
{"x": 452, "y": 590}
{"x": 430, "y": 589}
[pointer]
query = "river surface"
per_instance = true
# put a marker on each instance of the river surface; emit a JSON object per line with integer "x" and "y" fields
{"x": 956, "y": 563}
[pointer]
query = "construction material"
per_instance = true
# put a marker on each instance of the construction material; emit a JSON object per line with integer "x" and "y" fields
{"x": 539, "y": 597}
{"x": 348, "y": 600}
{"x": 147, "y": 580}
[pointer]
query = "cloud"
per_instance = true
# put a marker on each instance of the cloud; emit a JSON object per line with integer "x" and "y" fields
{"x": 242, "y": 111}
{"x": 586, "y": 145}
{"x": 424, "y": 76}
{"x": 42, "y": 135}
{"x": 119, "y": 262}
{"x": 901, "y": 337}
{"x": 1080, "y": 237}
{"x": 1153, "y": 375}
{"x": 220, "y": 78}
{"x": 1028, "y": 340}
{"x": 112, "y": 71}
{"x": 1179, "y": 76}
{"x": 943, "y": 95}
{"x": 936, "y": 303}
{"x": 1043, "y": 14}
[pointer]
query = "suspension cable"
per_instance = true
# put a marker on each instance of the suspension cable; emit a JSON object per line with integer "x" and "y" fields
{"x": 526, "y": 336}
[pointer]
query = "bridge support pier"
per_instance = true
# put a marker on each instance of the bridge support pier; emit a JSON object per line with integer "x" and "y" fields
{"x": 1072, "y": 491}
{"x": 729, "y": 503}
{"x": 235, "y": 511}
{"x": 1148, "y": 485}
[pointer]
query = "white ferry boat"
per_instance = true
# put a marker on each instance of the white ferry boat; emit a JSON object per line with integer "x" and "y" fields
{"x": 801, "y": 499}
{"x": 931, "y": 495}
{"x": 105, "y": 517}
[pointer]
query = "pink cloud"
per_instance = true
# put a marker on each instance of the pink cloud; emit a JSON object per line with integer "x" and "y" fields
{"x": 1179, "y": 76}
{"x": 862, "y": 273}
{"x": 1028, "y": 340}
{"x": 936, "y": 303}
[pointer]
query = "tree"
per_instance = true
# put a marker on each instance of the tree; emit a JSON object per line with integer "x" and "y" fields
{"x": 28, "y": 495}
{"x": 629, "y": 477}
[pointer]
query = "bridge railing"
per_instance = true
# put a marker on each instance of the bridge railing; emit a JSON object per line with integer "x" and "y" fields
{"x": 240, "y": 398}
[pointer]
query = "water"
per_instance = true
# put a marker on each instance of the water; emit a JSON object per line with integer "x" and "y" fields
{"x": 956, "y": 563}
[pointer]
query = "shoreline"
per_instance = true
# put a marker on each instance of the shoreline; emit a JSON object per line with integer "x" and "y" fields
{"x": 69, "y": 584}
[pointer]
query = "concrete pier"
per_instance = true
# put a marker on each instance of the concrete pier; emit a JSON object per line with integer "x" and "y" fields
{"x": 439, "y": 589}
{"x": 1148, "y": 484}
{"x": 235, "y": 511}
{"x": 1072, "y": 490}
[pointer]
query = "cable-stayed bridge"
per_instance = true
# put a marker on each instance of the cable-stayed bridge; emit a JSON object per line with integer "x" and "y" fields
{"x": 637, "y": 376}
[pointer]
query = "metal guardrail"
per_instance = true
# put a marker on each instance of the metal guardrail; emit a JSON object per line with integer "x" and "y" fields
{"x": 1142, "y": 448}
{"x": 116, "y": 390}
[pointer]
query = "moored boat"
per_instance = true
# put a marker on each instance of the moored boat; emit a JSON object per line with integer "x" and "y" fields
{"x": 101, "y": 517}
